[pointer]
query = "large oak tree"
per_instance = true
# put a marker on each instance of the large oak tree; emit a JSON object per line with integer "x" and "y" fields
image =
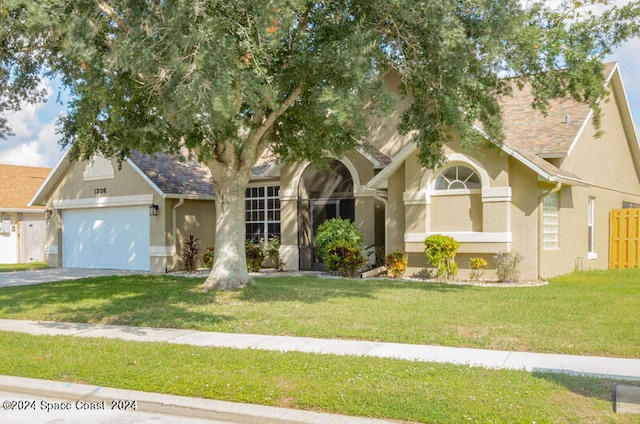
{"x": 227, "y": 80}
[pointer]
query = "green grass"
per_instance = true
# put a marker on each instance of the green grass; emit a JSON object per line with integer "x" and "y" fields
{"x": 591, "y": 313}
{"x": 384, "y": 388}
{"x": 22, "y": 267}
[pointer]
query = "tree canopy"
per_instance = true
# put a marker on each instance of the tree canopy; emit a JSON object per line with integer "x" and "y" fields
{"x": 303, "y": 78}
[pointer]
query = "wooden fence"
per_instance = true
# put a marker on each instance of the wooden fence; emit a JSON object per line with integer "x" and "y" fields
{"x": 624, "y": 238}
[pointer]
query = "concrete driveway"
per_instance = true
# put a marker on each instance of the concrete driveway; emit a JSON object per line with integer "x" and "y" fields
{"x": 23, "y": 278}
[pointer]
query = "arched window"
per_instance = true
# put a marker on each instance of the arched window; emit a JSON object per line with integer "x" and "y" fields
{"x": 457, "y": 177}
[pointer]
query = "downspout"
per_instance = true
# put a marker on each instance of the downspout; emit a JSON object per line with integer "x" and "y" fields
{"x": 174, "y": 225}
{"x": 555, "y": 189}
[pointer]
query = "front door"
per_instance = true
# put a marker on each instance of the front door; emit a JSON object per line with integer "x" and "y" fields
{"x": 321, "y": 210}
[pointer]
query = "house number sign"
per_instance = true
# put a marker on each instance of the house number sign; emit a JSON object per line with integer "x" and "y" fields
{"x": 102, "y": 190}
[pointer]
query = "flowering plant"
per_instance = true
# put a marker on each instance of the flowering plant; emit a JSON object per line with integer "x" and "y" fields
{"x": 508, "y": 265}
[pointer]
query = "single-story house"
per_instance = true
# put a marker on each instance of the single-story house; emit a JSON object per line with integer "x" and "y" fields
{"x": 546, "y": 192}
{"x": 22, "y": 227}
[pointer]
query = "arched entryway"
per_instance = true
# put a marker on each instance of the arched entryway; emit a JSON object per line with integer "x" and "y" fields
{"x": 323, "y": 193}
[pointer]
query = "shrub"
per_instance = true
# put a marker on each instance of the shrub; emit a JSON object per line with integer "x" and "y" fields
{"x": 339, "y": 243}
{"x": 508, "y": 266}
{"x": 441, "y": 252}
{"x": 478, "y": 266}
{"x": 207, "y": 256}
{"x": 272, "y": 252}
{"x": 190, "y": 254}
{"x": 255, "y": 255}
{"x": 345, "y": 258}
{"x": 396, "y": 263}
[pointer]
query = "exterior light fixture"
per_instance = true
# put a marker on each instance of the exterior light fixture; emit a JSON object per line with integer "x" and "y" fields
{"x": 153, "y": 210}
{"x": 48, "y": 213}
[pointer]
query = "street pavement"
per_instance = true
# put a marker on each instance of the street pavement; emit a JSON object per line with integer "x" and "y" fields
{"x": 621, "y": 369}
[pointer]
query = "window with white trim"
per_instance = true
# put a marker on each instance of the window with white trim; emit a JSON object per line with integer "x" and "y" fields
{"x": 262, "y": 212}
{"x": 591, "y": 246}
{"x": 550, "y": 221}
{"x": 457, "y": 177}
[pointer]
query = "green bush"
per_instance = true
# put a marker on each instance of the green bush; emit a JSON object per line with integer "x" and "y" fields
{"x": 339, "y": 243}
{"x": 272, "y": 253}
{"x": 207, "y": 256}
{"x": 441, "y": 252}
{"x": 396, "y": 263}
{"x": 255, "y": 255}
{"x": 345, "y": 258}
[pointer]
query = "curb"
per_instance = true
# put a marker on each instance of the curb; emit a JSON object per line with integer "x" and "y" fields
{"x": 233, "y": 412}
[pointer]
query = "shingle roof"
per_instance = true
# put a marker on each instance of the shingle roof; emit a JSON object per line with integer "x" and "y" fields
{"x": 18, "y": 184}
{"x": 547, "y": 135}
{"x": 371, "y": 152}
{"x": 174, "y": 175}
{"x": 536, "y": 136}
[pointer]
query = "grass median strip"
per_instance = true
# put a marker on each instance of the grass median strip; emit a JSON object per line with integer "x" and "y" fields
{"x": 587, "y": 313}
{"x": 383, "y": 388}
{"x": 30, "y": 266}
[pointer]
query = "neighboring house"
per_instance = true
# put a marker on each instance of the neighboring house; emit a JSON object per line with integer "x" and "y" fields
{"x": 546, "y": 192}
{"x": 22, "y": 227}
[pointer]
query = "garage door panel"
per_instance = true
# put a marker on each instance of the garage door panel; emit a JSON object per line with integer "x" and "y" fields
{"x": 112, "y": 238}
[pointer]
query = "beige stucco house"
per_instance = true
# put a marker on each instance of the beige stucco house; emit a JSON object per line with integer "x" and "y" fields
{"x": 546, "y": 192}
{"x": 22, "y": 227}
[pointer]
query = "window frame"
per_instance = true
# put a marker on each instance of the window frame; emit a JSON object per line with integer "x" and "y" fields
{"x": 456, "y": 191}
{"x": 551, "y": 221}
{"x": 262, "y": 209}
{"x": 591, "y": 241}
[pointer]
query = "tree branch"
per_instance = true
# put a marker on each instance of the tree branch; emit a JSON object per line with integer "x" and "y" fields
{"x": 256, "y": 142}
{"x": 113, "y": 15}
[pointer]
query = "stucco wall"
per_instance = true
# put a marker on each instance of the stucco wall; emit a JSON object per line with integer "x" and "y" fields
{"x": 606, "y": 164}
{"x": 193, "y": 217}
{"x": 74, "y": 186}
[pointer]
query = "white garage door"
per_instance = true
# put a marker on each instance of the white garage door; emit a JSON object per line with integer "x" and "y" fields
{"x": 106, "y": 238}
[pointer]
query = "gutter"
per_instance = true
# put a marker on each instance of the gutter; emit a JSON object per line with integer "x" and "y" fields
{"x": 174, "y": 225}
{"x": 385, "y": 201}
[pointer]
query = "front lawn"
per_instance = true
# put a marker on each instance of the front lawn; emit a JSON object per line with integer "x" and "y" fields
{"x": 592, "y": 313}
{"x": 29, "y": 266}
{"x": 374, "y": 387}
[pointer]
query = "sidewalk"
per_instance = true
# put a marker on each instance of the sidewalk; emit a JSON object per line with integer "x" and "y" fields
{"x": 230, "y": 412}
{"x": 594, "y": 366}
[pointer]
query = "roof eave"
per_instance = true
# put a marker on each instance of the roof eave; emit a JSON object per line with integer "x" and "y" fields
{"x": 40, "y": 198}
{"x": 23, "y": 210}
{"x": 380, "y": 180}
{"x": 544, "y": 175}
{"x": 187, "y": 196}
{"x": 146, "y": 178}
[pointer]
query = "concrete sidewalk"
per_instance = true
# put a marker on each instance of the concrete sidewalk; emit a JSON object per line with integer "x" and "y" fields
{"x": 230, "y": 412}
{"x": 614, "y": 368}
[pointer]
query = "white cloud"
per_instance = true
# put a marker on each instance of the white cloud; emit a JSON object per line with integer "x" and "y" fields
{"x": 34, "y": 142}
{"x": 43, "y": 150}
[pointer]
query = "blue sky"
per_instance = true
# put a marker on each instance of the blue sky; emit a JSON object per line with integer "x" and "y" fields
{"x": 35, "y": 142}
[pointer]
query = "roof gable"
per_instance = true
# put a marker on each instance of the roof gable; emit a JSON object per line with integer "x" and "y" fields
{"x": 18, "y": 184}
{"x": 531, "y": 137}
{"x": 174, "y": 176}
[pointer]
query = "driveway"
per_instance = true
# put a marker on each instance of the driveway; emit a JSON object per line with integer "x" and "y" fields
{"x": 24, "y": 278}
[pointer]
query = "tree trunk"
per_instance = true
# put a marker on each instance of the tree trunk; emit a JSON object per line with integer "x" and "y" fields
{"x": 229, "y": 269}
